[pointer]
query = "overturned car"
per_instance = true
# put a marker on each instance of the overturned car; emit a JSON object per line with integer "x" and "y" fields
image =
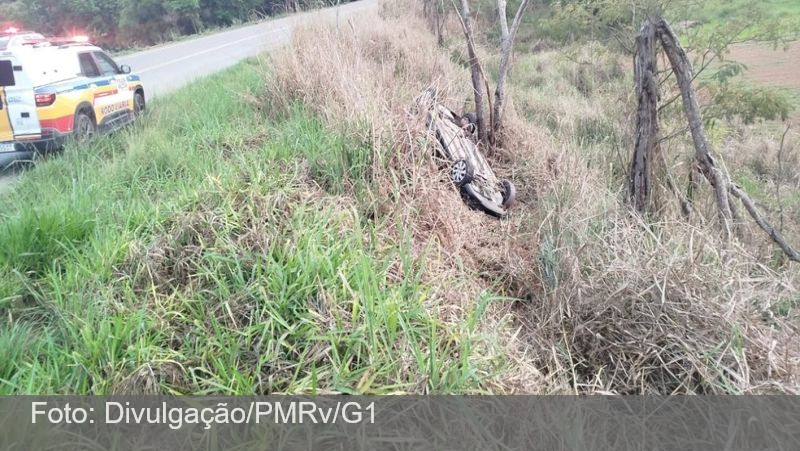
{"x": 468, "y": 168}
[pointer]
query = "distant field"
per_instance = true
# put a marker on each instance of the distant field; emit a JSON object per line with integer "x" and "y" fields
{"x": 768, "y": 63}
{"x": 779, "y": 68}
{"x": 717, "y": 13}
{"x": 775, "y": 67}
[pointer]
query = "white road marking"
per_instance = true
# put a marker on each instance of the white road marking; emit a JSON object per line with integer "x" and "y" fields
{"x": 213, "y": 49}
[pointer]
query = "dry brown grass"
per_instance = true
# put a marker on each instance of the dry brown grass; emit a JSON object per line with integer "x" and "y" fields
{"x": 606, "y": 303}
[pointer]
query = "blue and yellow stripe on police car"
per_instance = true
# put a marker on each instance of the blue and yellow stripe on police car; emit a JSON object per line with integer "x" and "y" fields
{"x": 69, "y": 95}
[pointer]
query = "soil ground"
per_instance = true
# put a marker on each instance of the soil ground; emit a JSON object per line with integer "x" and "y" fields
{"x": 773, "y": 67}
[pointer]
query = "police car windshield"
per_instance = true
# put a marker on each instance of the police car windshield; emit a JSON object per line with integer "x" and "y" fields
{"x": 3, "y": 43}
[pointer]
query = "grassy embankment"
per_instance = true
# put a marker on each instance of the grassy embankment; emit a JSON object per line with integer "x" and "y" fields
{"x": 288, "y": 231}
{"x": 216, "y": 248}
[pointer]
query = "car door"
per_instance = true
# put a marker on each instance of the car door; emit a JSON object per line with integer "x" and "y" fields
{"x": 18, "y": 117}
{"x": 90, "y": 70}
{"x": 115, "y": 100}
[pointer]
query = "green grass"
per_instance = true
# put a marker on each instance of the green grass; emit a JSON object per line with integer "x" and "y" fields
{"x": 214, "y": 249}
{"x": 717, "y": 12}
{"x": 764, "y": 17}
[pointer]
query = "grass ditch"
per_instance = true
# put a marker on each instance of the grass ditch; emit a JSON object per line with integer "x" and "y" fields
{"x": 611, "y": 303}
{"x": 214, "y": 248}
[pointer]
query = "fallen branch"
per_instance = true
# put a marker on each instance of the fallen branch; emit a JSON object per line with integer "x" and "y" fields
{"x": 773, "y": 233}
{"x": 780, "y": 175}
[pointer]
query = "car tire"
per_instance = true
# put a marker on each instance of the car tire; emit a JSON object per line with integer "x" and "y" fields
{"x": 461, "y": 173}
{"x": 85, "y": 126}
{"x": 509, "y": 194}
{"x": 139, "y": 104}
{"x": 476, "y": 201}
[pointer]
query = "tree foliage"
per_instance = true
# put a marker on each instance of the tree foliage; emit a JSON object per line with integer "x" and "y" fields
{"x": 749, "y": 103}
{"x": 706, "y": 37}
{"x": 122, "y": 23}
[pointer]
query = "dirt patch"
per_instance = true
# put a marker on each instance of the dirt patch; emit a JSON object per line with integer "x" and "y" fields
{"x": 775, "y": 67}
{"x": 150, "y": 379}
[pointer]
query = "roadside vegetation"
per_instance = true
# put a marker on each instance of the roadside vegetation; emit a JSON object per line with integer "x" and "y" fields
{"x": 284, "y": 228}
{"x": 216, "y": 248}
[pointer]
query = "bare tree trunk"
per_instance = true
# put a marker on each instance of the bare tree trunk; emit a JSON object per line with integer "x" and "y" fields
{"x": 646, "y": 118}
{"x": 506, "y": 46}
{"x": 439, "y": 30}
{"x": 706, "y": 162}
{"x": 475, "y": 69}
{"x": 435, "y": 14}
{"x": 290, "y": 5}
{"x": 441, "y": 19}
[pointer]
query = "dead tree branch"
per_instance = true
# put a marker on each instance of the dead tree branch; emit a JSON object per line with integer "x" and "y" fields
{"x": 646, "y": 118}
{"x": 436, "y": 15}
{"x": 773, "y": 233}
{"x": 673, "y": 135}
{"x": 707, "y": 164}
{"x": 778, "y": 198}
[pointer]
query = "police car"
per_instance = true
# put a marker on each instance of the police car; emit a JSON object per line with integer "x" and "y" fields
{"x": 55, "y": 88}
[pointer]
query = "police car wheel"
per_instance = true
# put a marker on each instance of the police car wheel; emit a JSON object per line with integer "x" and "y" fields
{"x": 85, "y": 127}
{"x": 138, "y": 104}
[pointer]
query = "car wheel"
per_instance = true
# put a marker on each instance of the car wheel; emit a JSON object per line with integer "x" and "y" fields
{"x": 138, "y": 104}
{"x": 509, "y": 194}
{"x": 476, "y": 201}
{"x": 85, "y": 127}
{"x": 461, "y": 172}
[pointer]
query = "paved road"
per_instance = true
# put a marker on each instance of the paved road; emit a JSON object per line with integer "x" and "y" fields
{"x": 172, "y": 66}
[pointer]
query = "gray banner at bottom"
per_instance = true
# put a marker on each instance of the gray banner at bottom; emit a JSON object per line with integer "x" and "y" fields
{"x": 400, "y": 423}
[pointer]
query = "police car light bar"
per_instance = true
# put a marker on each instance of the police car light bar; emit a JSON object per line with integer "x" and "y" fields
{"x": 63, "y": 42}
{"x": 79, "y": 39}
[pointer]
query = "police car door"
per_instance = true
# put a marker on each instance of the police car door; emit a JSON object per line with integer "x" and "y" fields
{"x": 18, "y": 117}
{"x": 116, "y": 106}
